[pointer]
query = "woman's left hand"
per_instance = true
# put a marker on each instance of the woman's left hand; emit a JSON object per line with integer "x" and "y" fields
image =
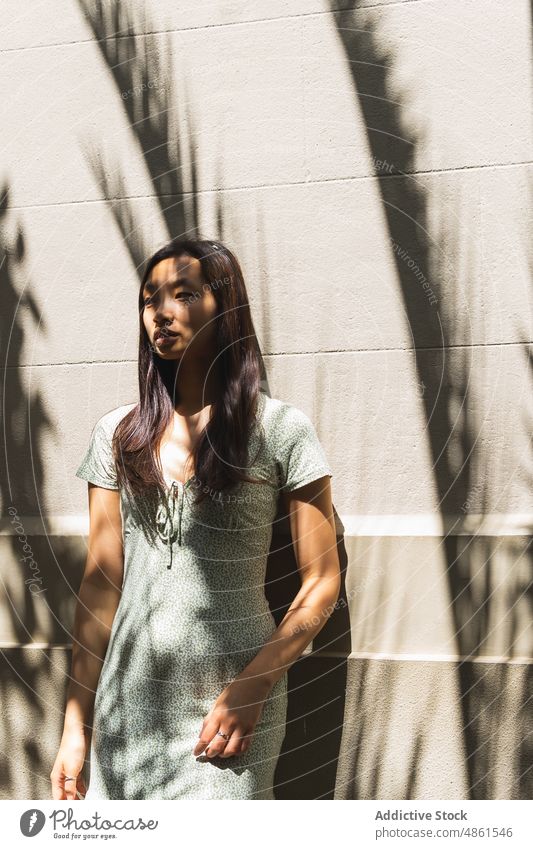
{"x": 236, "y": 712}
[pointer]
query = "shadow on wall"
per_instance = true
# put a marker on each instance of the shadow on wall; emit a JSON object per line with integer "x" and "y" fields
{"x": 141, "y": 68}
{"x": 23, "y": 751}
{"x": 487, "y": 578}
{"x": 37, "y": 596}
{"x": 317, "y": 682}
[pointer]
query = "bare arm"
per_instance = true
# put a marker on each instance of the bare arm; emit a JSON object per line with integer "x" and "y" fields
{"x": 313, "y": 534}
{"x": 238, "y": 707}
{"x": 98, "y": 599}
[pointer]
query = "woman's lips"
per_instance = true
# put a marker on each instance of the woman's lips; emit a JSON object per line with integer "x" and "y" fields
{"x": 165, "y": 340}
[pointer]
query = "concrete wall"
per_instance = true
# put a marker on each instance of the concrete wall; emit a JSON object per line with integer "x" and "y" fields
{"x": 372, "y": 169}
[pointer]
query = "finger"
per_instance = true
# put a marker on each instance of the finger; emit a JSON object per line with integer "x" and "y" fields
{"x": 201, "y": 743}
{"x": 206, "y": 735}
{"x": 81, "y": 787}
{"x": 215, "y": 747}
{"x": 218, "y": 744}
{"x": 70, "y": 785}
{"x": 233, "y": 745}
{"x": 246, "y": 743}
{"x": 58, "y": 790}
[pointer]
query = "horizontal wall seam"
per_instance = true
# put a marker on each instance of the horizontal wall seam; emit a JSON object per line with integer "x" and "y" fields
{"x": 414, "y": 657}
{"x": 250, "y": 22}
{"x": 289, "y": 183}
{"x": 314, "y": 353}
{"x": 373, "y": 526}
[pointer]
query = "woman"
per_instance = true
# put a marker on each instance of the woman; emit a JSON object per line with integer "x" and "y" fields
{"x": 178, "y": 687}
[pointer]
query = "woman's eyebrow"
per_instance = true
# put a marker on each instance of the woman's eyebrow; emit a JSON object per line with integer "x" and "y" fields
{"x": 182, "y": 281}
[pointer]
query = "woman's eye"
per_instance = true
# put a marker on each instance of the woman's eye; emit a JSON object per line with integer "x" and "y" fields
{"x": 186, "y": 296}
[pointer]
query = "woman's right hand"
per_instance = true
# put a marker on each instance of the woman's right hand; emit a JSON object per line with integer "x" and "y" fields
{"x": 69, "y": 763}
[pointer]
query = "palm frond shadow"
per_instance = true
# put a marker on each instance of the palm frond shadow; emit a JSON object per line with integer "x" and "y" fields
{"x": 25, "y": 423}
{"x": 449, "y": 405}
{"x": 141, "y": 67}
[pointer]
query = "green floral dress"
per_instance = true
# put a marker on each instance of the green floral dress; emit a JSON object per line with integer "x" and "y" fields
{"x": 192, "y": 615}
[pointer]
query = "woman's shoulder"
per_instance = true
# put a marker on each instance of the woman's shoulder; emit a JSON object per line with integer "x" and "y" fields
{"x": 294, "y": 444}
{"x": 282, "y": 415}
{"x": 109, "y": 420}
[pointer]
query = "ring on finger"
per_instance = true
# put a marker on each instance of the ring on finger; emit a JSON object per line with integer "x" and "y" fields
{"x": 225, "y": 736}
{"x": 220, "y": 734}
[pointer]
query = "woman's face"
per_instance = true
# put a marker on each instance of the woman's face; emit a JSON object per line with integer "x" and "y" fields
{"x": 177, "y": 299}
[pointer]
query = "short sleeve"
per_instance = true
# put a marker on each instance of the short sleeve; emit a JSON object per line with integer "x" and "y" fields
{"x": 301, "y": 456}
{"x": 98, "y": 465}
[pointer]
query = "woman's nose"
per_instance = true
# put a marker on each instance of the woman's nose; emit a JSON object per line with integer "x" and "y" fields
{"x": 164, "y": 309}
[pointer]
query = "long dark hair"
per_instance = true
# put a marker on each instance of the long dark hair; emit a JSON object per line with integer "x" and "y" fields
{"x": 220, "y": 454}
